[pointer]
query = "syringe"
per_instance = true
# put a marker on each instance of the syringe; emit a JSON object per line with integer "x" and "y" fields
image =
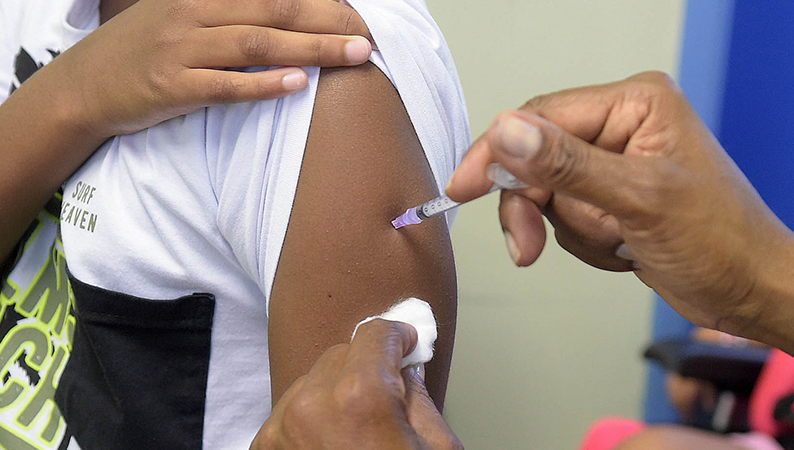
{"x": 495, "y": 172}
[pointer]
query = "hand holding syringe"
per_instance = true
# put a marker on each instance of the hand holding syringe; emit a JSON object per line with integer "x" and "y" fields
{"x": 501, "y": 178}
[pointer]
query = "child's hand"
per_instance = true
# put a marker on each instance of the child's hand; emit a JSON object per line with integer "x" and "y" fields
{"x": 163, "y": 58}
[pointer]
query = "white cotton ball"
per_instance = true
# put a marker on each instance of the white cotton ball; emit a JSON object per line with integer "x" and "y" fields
{"x": 419, "y": 314}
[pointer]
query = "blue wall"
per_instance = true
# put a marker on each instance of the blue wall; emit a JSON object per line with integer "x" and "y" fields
{"x": 702, "y": 75}
{"x": 758, "y": 107}
{"x": 737, "y": 68}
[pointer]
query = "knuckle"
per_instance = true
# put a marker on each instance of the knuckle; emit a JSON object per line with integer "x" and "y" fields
{"x": 337, "y": 351}
{"x": 317, "y": 51}
{"x": 222, "y": 89}
{"x": 645, "y": 185}
{"x": 183, "y": 9}
{"x": 160, "y": 82}
{"x": 380, "y": 330}
{"x": 564, "y": 166}
{"x": 266, "y": 438}
{"x": 358, "y": 395}
{"x": 657, "y": 187}
{"x": 657, "y": 84}
{"x": 285, "y": 12}
{"x": 256, "y": 45}
{"x": 298, "y": 414}
{"x": 650, "y": 180}
{"x": 345, "y": 20}
{"x": 534, "y": 104}
{"x": 660, "y": 78}
{"x": 376, "y": 327}
{"x": 351, "y": 391}
{"x": 541, "y": 104}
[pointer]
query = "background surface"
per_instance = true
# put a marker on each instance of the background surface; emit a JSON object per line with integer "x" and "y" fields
{"x": 541, "y": 352}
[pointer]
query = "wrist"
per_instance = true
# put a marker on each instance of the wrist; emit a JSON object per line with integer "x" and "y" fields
{"x": 71, "y": 96}
{"x": 54, "y": 102}
{"x": 79, "y": 108}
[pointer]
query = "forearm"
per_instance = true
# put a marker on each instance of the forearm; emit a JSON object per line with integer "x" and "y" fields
{"x": 44, "y": 136}
{"x": 772, "y": 320}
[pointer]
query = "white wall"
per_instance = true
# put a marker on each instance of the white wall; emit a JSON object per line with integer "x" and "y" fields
{"x": 543, "y": 351}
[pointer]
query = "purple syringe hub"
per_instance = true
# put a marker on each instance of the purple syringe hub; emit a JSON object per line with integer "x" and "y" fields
{"x": 408, "y": 218}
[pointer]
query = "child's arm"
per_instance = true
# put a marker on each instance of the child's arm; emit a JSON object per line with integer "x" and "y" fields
{"x": 153, "y": 62}
{"x": 342, "y": 261}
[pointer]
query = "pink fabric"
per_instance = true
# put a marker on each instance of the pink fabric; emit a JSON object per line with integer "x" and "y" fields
{"x": 754, "y": 441}
{"x": 607, "y": 433}
{"x": 775, "y": 382}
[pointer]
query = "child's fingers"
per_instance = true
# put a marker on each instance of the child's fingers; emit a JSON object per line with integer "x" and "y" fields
{"x": 314, "y": 16}
{"x": 245, "y": 45}
{"x": 212, "y": 87}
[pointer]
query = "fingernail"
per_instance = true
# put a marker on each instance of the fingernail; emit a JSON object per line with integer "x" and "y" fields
{"x": 512, "y": 248}
{"x": 412, "y": 373}
{"x": 357, "y": 50}
{"x": 295, "y": 80}
{"x": 624, "y": 252}
{"x": 420, "y": 370}
{"x": 519, "y": 138}
{"x": 502, "y": 178}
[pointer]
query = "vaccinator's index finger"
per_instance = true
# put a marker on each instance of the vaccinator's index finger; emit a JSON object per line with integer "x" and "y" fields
{"x": 609, "y": 115}
{"x": 469, "y": 181}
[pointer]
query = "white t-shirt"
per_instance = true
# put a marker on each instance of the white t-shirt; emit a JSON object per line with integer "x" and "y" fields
{"x": 200, "y": 204}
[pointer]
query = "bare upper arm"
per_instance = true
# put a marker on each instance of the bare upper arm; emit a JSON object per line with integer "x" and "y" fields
{"x": 342, "y": 261}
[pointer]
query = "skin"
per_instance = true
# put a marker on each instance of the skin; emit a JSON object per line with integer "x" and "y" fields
{"x": 330, "y": 277}
{"x": 632, "y": 179}
{"x": 125, "y": 77}
{"x": 84, "y": 110}
{"x": 342, "y": 261}
{"x": 631, "y": 163}
{"x": 324, "y": 408}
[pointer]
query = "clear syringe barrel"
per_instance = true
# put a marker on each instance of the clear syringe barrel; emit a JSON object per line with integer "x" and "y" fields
{"x": 418, "y": 214}
{"x": 495, "y": 172}
{"x": 438, "y": 205}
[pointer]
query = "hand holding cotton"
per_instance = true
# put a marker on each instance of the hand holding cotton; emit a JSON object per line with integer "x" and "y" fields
{"x": 418, "y": 313}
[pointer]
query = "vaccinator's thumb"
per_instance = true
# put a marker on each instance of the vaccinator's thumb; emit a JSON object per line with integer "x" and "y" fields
{"x": 543, "y": 155}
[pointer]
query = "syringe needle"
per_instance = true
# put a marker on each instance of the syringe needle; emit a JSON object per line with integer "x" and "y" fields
{"x": 495, "y": 172}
